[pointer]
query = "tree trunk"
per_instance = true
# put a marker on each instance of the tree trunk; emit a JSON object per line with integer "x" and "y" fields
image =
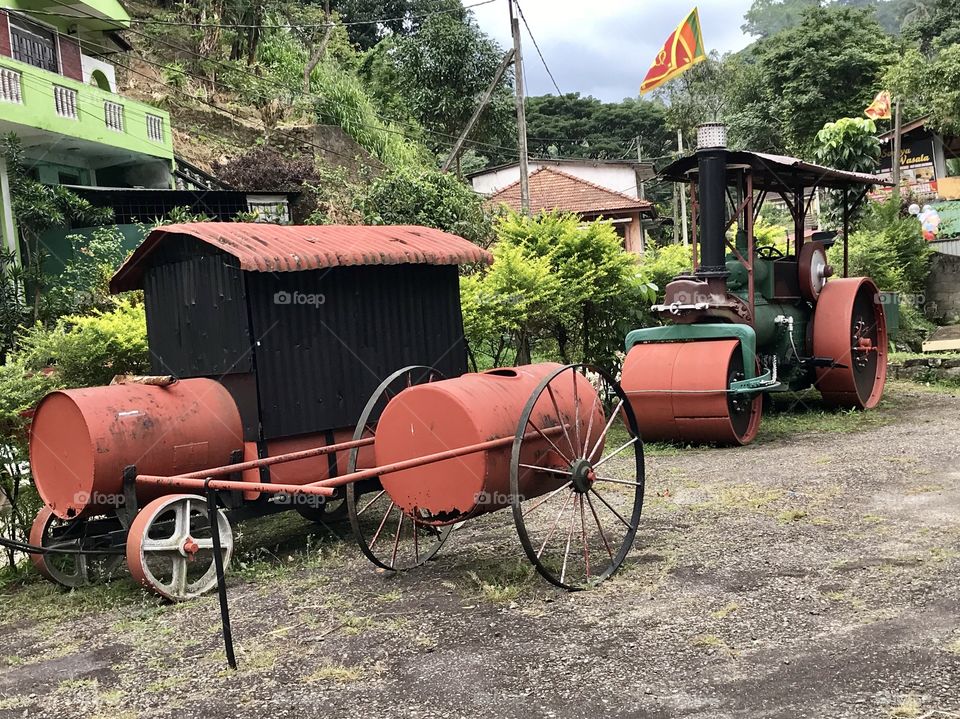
{"x": 523, "y": 350}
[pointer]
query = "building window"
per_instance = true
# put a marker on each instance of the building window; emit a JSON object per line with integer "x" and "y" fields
{"x": 33, "y": 44}
{"x": 155, "y": 127}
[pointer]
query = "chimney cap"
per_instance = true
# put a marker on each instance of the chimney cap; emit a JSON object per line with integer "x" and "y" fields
{"x": 711, "y": 136}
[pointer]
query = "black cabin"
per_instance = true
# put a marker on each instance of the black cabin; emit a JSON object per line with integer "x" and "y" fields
{"x": 300, "y": 324}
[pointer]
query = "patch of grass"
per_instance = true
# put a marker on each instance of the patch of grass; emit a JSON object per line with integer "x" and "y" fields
{"x": 500, "y": 582}
{"x": 338, "y": 673}
{"x": 802, "y": 412}
{"x": 14, "y": 703}
{"x": 354, "y": 625}
{"x": 909, "y": 707}
{"x": 924, "y": 489}
{"x": 726, "y": 611}
{"x": 738, "y": 497}
{"x": 165, "y": 684}
{"x": 874, "y": 519}
{"x": 791, "y": 515}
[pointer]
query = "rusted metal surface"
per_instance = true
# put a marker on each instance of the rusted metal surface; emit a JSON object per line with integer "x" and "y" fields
{"x": 467, "y": 411}
{"x": 851, "y": 329}
{"x": 678, "y": 391}
{"x": 81, "y": 439}
{"x": 285, "y": 248}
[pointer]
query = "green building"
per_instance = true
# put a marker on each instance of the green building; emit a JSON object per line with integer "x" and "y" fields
{"x": 58, "y": 95}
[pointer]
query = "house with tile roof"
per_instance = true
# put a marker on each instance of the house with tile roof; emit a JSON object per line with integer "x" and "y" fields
{"x": 554, "y": 189}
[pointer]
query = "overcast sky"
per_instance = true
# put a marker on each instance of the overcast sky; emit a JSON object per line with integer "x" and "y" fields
{"x": 604, "y": 47}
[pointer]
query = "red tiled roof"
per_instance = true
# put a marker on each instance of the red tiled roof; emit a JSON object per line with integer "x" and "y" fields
{"x": 288, "y": 248}
{"x": 551, "y": 189}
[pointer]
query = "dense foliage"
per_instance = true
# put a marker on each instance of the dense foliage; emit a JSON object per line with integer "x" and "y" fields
{"x": 557, "y": 288}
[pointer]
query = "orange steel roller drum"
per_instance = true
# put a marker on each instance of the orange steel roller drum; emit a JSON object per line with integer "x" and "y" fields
{"x": 470, "y": 409}
{"x": 850, "y": 326}
{"x": 81, "y": 439}
{"x": 677, "y": 391}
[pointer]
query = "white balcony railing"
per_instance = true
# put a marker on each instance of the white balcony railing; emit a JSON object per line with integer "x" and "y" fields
{"x": 113, "y": 115}
{"x": 154, "y": 128}
{"x": 10, "y": 86}
{"x": 65, "y": 101}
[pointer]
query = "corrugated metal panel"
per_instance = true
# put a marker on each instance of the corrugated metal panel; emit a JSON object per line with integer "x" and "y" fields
{"x": 947, "y": 247}
{"x": 282, "y": 248}
{"x": 197, "y": 317}
{"x": 317, "y": 364}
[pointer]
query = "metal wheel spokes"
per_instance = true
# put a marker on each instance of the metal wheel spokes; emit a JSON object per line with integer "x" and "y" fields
{"x": 170, "y": 547}
{"x": 75, "y": 566}
{"x": 577, "y": 515}
{"x": 389, "y": 537}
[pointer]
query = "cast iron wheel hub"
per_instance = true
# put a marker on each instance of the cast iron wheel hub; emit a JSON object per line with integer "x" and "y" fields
{"x": 582, "y": 475}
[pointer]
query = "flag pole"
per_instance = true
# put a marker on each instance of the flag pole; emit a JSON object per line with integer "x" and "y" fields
{"x": 895, "y": 157}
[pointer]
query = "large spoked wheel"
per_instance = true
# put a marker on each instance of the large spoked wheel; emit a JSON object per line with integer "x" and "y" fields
{"x": 389, "y": 537}
{"x": 850, "y": 328}
{"x": 577, "y": 477}
{"x": 79, "y": 556}
{"x": 170, "y": 547}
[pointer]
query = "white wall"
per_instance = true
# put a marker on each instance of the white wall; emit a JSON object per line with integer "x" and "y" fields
{"x": 619, "y": 178}
{"x": 89, "y": 64}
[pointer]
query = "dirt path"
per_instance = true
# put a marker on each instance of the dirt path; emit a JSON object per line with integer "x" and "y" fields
{"x": 810, "y": 576}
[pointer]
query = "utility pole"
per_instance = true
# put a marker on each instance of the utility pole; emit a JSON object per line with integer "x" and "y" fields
{"x": 521, "y": 114}
{"x": 683, "y": 197}
{"x": 895, "y": 157}
{"x": 643, "y": 196}
{"x": 484, "y": 101}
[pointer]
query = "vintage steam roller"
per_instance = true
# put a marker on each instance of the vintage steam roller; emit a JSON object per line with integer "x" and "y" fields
{"x": 751, "y": 319}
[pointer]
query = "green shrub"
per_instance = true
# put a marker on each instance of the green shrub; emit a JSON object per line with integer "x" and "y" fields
{"x": 889, "y": 248}
{"x": 661, "y": 263}
{"x": 558, "y": 289}
{"x": 89, "y": 350}
{"x": 426, "y": 197}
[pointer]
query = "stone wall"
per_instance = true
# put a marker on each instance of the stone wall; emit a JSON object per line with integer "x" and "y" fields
{"x": 928, "y": 369}
{"x": 943, "y": 289}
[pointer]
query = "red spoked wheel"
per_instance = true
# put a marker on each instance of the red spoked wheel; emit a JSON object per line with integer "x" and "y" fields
{"x": 391, "y": 538}
{"x": 850, "y": 328}
{"x": 679, "y": 392}
{"x": 577, "y": 491}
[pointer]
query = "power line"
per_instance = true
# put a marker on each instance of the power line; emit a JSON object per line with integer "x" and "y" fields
{"x": 265, "y": 26}
{"x": 537, "y": 47}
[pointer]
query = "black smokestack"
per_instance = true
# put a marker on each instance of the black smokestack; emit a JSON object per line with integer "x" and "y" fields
{"x": 712, "y": 199}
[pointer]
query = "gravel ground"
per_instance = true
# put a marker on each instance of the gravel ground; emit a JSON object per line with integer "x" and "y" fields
{"x": 807, "y": 576}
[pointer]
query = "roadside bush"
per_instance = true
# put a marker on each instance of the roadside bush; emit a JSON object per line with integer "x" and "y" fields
{"x": 88, "y": 350}
{"x": 83, "y": 285}
{"x": 889, "y": 247}
{"x": 558, "y": 289}
{"x": 78, "y": 351}
{"x": 661, "y": 263}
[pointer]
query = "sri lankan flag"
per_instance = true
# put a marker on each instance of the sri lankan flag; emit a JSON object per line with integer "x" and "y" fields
{"x": 682, "y": 50}
{"x": 879, "y": 109}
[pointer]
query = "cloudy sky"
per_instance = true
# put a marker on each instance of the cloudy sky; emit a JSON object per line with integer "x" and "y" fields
{"x": 604, "y": 47}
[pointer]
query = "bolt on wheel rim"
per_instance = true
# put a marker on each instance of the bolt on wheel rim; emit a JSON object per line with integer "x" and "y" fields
{"x": 587, "y": 480}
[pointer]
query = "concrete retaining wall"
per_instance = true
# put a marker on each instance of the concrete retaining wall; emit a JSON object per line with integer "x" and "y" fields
{"x": 943, "y": 289}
